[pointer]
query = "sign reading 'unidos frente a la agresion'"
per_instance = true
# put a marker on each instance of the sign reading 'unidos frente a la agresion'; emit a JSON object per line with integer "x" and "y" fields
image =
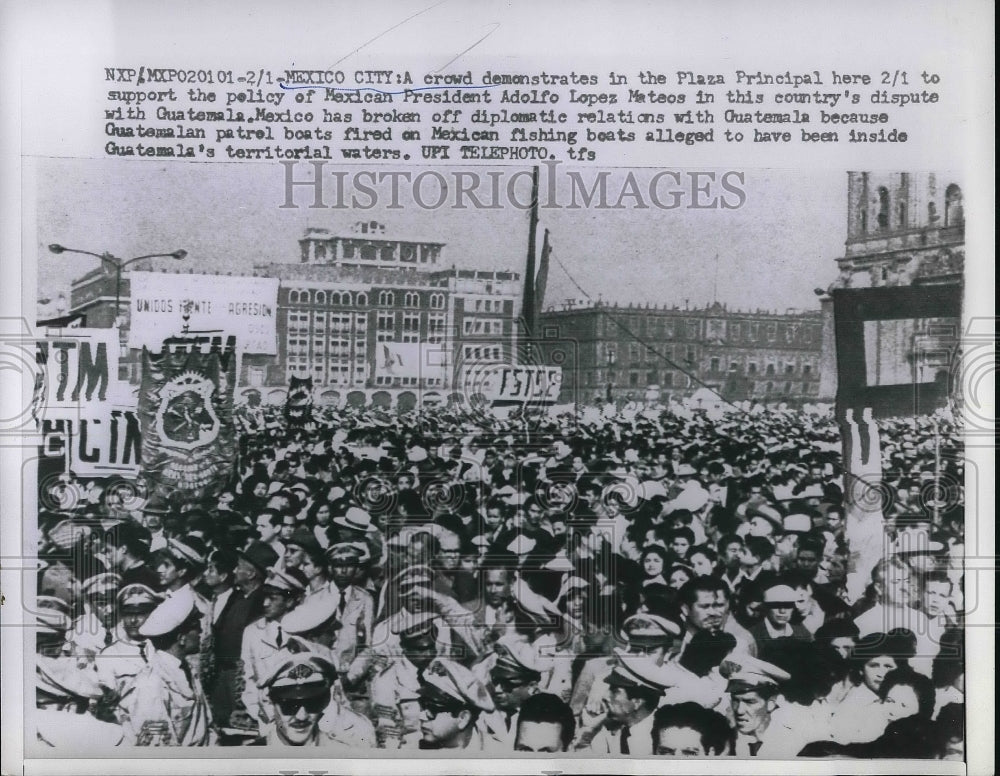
{"x": 218, "y": 304}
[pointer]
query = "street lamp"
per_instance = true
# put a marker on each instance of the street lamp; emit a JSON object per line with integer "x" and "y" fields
{"x": 118, "y": 264}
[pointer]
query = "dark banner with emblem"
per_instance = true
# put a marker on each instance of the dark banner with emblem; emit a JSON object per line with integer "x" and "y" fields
{"x": 186, "y": 413}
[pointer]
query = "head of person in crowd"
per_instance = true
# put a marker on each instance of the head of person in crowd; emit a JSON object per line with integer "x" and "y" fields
{"x": 936, "y": 600}
{"x": 180, "y": 563}
{"x": 283, "y": 588}
{"x": 346, "y": 562}
{"x": 690, "y": 730}
{"x": 705, "y": 651}
{"x": 135, "y": 604}
{"x": 418, "y": 634}
{"x": 779, "y": 604}
{"x": 757, "y": 550}
{"x": 650, "y": 635}
{"x": 809, "y": 555}
{"x": 128, "y": 543}
{"x": 496, "y": 583}
{"x": 300, "y": 690}
{"x": 449, "y": 550}
{"x": 451, "y": 700}
{"x": 515, "y": 675}
{"x": 635, "y": 687}
{"x": 679, "y": 541}
{"x": 100, "y": 594}
{"x": 891, "y": 582}
{"x": 288, "y": 525}
{"x": 729, "y": 548}
{"x": 874, "y": 656}
{"x": 753, "y": 689}
{"x": 54, "y": 617}
{"x": 705, "y": 604}
{"x": 574, "y": 601}
{"x": 301, "y": 544}
{"x": 906, "y": 693}
{"x": 654, "y": 561}
{"x": 220, "y": 569}
{"x": 839, "y": 635}
{"x": 764, "y": 522}
{"x": 252, "y": 565}
{"x": 268, "y": 523}
{"x": 678, "y": 575}
{"x": 320, "y": 514}
{"x": 545, "y": 724}
{"x": 314, "y": 620}
{"x": 174, "y": 626}
{"x": 702, "y": 560}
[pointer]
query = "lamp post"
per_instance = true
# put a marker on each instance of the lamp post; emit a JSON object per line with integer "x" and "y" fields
{"x": 611, "y": 375}
{"x": 118, "y": 264}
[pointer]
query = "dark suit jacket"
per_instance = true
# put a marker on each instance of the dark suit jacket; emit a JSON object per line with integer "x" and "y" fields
{"x": 227, "y": 631}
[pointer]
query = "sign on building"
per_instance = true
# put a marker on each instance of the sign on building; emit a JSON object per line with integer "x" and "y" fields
{"x": 502, "y": 384}
{"x": 219, "y": 305}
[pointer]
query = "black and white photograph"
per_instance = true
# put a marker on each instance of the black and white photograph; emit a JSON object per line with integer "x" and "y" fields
{"x": 420, "y": 388}
{"x": 540, "y": 479}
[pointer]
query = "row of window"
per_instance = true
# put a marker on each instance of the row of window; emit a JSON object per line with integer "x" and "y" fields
{"x": 750, "y": 331}
{"x": 435, "y": 301}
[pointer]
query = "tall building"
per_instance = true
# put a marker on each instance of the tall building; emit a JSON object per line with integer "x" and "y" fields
{"x": 743, "y": 354}
{"x": 362, "y": 309}
{"x": 903, "y": 230}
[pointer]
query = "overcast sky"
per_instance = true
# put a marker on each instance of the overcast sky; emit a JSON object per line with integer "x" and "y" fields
{"x": 772, "y": 252}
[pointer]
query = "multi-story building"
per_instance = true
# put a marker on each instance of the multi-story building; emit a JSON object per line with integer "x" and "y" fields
{"x": 742, "y": 354}
{"x": 356, "y": 306}
{"x": 903, "y": 230}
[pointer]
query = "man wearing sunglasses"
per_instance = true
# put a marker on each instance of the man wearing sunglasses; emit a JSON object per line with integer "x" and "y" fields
{"x": 299, "y": 690}
{"x": 513, "y": 679}
{"x": 451, "y": 701}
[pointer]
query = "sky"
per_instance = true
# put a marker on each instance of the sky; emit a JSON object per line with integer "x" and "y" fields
{"x": 771, "y": 252}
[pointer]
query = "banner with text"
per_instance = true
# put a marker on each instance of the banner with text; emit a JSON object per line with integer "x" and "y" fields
{"x": 86, "y": 415}
{"x": 244, "y": 307}
{"x": 502, "y": 384}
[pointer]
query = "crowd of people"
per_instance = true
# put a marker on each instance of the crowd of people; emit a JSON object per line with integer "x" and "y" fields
{"x": 627, "y": 583}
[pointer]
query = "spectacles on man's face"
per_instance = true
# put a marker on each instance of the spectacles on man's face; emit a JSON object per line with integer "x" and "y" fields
{"x": 433, "y": 708}
{"x": 313, "y": 705}
{"x": 506, "y": 683}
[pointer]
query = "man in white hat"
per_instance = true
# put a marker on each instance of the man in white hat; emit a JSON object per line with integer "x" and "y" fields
{"x": 263, "y": 638}
{"x": 753, "y": 691}
{"x": 167, "y": 706}
{"x": 624, "y": 723}
{"x": 355, "y": 605}
{"x": 395, "y": 688}
{"x": 305, "y": 714}
{"x": 94, "y": 630}
{"x": 451, "y": 701}
{"x": 119, "y": 663}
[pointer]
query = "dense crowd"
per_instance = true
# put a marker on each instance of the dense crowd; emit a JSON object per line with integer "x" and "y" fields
{"x": 627, "y": 583}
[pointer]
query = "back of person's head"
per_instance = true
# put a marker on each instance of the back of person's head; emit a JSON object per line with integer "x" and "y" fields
{"x": 706, "y": 650}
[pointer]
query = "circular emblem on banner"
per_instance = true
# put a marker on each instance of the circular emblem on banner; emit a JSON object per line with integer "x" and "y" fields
{"x": 186, "y": 418}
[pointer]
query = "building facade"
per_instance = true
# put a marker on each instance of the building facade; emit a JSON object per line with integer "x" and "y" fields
{"x": 903, "y": 229}
{"x": 620, "y": 351}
